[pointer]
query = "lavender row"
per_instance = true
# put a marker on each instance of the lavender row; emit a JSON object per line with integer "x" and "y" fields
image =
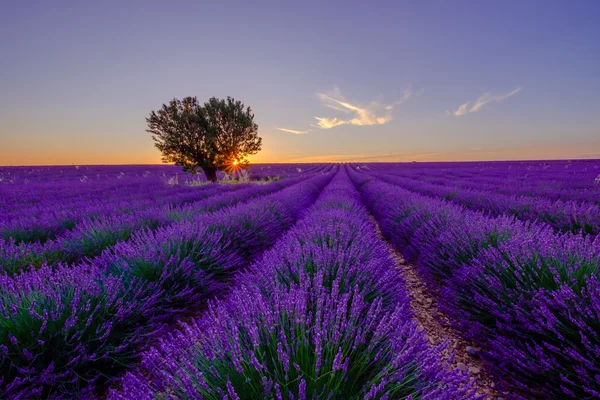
{"x": 74, "y": 180}
{"x": 576, "y": 174}
{"x": 530, "y": 297}
{"x": 37, "y": 198}
{"x": 82, "y": 237}
{"x": 51, "y": 215}
{"x": 66, "y": 331}
{"x": 33, "y": 199}
{"x": 52, "y": 222}
{"x": 288, "y": 170}
{"x": 90, "y": 238}
{"x": 555, "y": 180}
{"x": 321, "y": 315}
{"x": 588, "y": 189}
{"x": 552, "y": 190}
{"x": 563, "y": 216}
{"x": 90, "y": 207}
{"x": 52, "y": 189}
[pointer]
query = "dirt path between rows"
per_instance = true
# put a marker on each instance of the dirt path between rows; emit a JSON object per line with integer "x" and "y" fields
{"x": 437, "y": 328}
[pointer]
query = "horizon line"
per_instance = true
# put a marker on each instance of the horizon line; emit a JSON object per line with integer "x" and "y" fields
{"x": 319, "y": 162}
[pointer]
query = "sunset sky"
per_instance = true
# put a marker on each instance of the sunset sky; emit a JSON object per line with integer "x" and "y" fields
{"x": 328, "y": 81}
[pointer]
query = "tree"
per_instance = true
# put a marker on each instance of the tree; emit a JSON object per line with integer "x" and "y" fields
{"x": 217, "y": 136}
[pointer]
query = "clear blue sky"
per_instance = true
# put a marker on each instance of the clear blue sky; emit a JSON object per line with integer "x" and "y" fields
{"x": 423, "y": 80}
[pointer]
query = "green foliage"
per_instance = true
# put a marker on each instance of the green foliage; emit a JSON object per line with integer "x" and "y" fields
{"x": 218, "y": 135}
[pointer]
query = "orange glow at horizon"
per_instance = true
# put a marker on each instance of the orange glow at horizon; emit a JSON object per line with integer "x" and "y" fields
{"x": 86, "y": 156}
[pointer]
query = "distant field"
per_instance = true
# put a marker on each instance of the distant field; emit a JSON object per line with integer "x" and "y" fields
{"x": 145, "y": 282}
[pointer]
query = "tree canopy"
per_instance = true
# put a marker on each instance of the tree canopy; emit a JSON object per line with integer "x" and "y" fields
{"x": 218, "y": 135}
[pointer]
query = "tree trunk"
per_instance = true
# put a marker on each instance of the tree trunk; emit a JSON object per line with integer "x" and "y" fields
{"x": 211, "y": 174}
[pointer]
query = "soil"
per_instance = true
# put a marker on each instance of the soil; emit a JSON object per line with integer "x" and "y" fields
{"x": 437, "y": 327}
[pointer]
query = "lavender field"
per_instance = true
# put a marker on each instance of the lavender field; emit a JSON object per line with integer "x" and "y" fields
{"x": 301, "y": 281}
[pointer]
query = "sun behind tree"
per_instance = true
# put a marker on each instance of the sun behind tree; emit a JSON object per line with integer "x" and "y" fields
{"x": 217, "y": 136}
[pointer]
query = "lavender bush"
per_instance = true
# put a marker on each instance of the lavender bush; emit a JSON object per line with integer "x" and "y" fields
{"x": 526, "y": 294}
{"x": 62, "y": 330}
{"x": 99, "y": 263}
{"x": 68, "y": 330}
{"x": 564, "y": 216}
{"x": 322, "y": 315}
{"x": 90, "y": 237}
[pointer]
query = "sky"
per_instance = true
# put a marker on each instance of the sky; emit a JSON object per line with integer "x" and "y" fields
{"x": 327, "y": 81}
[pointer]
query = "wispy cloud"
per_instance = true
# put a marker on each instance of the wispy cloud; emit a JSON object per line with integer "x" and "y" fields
{"x": 294, "y": 131}
{"x": 407, "y": 94}
{"x": 328, "y": 123}
{"x": 344, "y": 110}
{"x": 374, "y": 113}
{"x": 476, "y": 105}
